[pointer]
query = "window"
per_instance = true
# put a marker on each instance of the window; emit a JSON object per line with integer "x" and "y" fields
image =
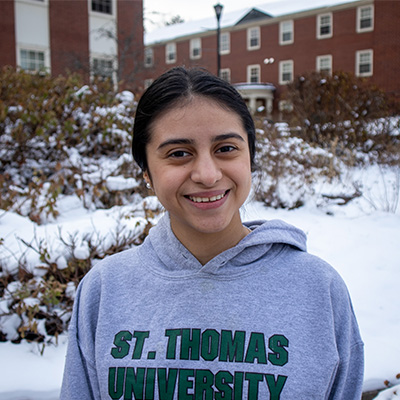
{"x": 285, "y": 72}
{"x": 195, "y": 48}
{"x": 32, "y": 60}
{"x": 148, "y": 57}
{"x": 102, "y": 6}
{"x": 253, "y": 73}
{"x": 364, "y": 63}
{"x": 286, "y": 34}
{"x": 324, "y": 64}
{"x": 170, "y": 53}
{"x": 324, "y": 26}
{"x": 103, "y": 68}
{"x": 225, "y": 74}
{"x": 365, "y": 18}
{"x": 225, "y": 43}
{"x": 253, "y": 38}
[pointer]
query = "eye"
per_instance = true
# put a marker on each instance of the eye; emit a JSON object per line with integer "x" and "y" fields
{"x": 178, "y": 154}
{"x": 226, "y": 149}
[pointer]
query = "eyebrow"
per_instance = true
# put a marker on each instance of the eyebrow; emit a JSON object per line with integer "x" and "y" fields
{"x": 226, "y": 136}
{"x": 175, "y": 141}
{"x": 217, "y": 138}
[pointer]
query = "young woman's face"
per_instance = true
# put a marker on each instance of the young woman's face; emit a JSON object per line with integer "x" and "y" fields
{"x": 199, "y": 165}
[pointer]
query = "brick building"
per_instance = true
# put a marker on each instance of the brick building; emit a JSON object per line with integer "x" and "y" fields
{"x": 103, "y": 37}
{"x": 262, "y": 52}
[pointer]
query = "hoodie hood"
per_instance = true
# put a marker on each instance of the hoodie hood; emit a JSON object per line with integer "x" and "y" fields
{"x": 266, "y": 240}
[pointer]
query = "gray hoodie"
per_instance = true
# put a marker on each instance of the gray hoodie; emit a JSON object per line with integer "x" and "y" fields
{"x": 262, "y": 320}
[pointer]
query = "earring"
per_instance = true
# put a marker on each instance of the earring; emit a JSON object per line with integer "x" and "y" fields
{"x": 148, "y": 186}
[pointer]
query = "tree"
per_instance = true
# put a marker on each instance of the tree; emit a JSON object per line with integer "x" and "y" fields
{"x": 177, "y": 19}
{"x": 335, "y": 108}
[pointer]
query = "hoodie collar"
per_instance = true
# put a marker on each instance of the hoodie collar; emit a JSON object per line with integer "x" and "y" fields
{"x": 176, "y": 260}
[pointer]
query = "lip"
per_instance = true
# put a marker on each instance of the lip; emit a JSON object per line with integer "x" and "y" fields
{"x": 208, "y": 204}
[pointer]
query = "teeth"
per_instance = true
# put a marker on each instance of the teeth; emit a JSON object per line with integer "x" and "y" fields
{"x": 207, "y": 199}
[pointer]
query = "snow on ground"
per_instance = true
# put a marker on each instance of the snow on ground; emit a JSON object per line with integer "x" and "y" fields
{"x": 360, "y": 242}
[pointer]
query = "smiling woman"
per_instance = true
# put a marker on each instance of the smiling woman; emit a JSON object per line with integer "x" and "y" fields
{"x": 209, "y": 306}
{"x": 199, "y": 167}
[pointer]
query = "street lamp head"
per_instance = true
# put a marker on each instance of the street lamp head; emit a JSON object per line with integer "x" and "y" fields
{"x": 218, "y": 10}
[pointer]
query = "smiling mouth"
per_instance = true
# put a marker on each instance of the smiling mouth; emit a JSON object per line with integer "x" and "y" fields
{"x": 211, "y": 199}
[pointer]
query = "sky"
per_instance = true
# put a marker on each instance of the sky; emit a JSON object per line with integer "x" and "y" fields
{"x": 157, "y": 12}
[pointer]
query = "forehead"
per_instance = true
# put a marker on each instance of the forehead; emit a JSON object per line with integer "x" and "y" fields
{"x": 197, "y": 115}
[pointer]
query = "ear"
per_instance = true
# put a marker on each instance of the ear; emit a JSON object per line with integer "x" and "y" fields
{"x": 146, "y": 177}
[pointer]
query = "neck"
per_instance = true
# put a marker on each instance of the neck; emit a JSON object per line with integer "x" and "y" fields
{"x": 206, "y": 246}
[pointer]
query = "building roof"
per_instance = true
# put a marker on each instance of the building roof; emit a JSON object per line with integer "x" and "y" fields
{"x": 276, "y": 8}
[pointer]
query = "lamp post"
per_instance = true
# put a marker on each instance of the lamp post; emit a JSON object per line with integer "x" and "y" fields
{"x": 218, "y": 11}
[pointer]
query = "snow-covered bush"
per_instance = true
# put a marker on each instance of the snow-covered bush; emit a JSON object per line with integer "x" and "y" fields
{"x": 290, "y": 171}
{"x": 393, "y": 391}
{"x": 337, "y": 112}
{"x": 63, "y": 144}
{"x": 56, "y": 135}
{"x": 288, "y": 167}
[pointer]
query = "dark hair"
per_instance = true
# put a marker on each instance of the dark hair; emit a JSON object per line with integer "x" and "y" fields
{"x": 179, "y": 84}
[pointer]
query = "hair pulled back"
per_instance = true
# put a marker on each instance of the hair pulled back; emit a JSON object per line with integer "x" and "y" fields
{"x": 179, "y": 85}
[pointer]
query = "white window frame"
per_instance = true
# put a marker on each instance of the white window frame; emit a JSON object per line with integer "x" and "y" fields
{"x": 319, "y": 63}
{"x": 225, "y": 43}
{"x": 286, "y": 27}
{"x": 250, "y": 69}
{"x": 360, "y": 10}
{"x": 320, "y": 25}
{"x": 36, "y": 2}
{"x": 36, "y": 49}
{"x": 170, "y": 49}
{"x": 195, "y": 45}
{"x": 286, "y": 66}
{"x": 359, "y": 62}
{"x": 227, "y": 73}
{"x": 148, "y": 57}
{"x": 253, "y": 33}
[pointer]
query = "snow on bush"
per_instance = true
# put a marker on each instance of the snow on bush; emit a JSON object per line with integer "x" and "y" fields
{"x": 65, "y": 151}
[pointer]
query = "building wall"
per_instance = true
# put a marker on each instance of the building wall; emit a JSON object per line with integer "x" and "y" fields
{"x": 7, "y": 33}
{"x": 130, "y": 44}
{"x": 386, "y": 43}
{"x": 69, "y": 36}
{"x": 384, "y": 40}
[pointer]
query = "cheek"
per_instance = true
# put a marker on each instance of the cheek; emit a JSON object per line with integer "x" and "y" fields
{"x": 242, "y": 177}
{"x": 167, "y": 181}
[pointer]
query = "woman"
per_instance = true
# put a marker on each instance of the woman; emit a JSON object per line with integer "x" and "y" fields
{"x": 209, "y": 307}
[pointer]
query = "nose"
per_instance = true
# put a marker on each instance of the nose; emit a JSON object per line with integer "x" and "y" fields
{"x": 206, "y": 171}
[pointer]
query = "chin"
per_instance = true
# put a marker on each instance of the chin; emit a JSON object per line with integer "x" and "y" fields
{"x": 213, "y": 227}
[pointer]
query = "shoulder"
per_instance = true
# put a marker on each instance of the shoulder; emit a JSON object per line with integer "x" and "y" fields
{"x": 312, "y": 277}
{"x": 311, "y": 265}
{"x": 113, "y": 268}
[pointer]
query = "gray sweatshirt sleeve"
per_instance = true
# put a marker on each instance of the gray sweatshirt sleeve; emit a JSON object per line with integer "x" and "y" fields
{"x": 80, "y": 376}
{"x": 348, "y": 380}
